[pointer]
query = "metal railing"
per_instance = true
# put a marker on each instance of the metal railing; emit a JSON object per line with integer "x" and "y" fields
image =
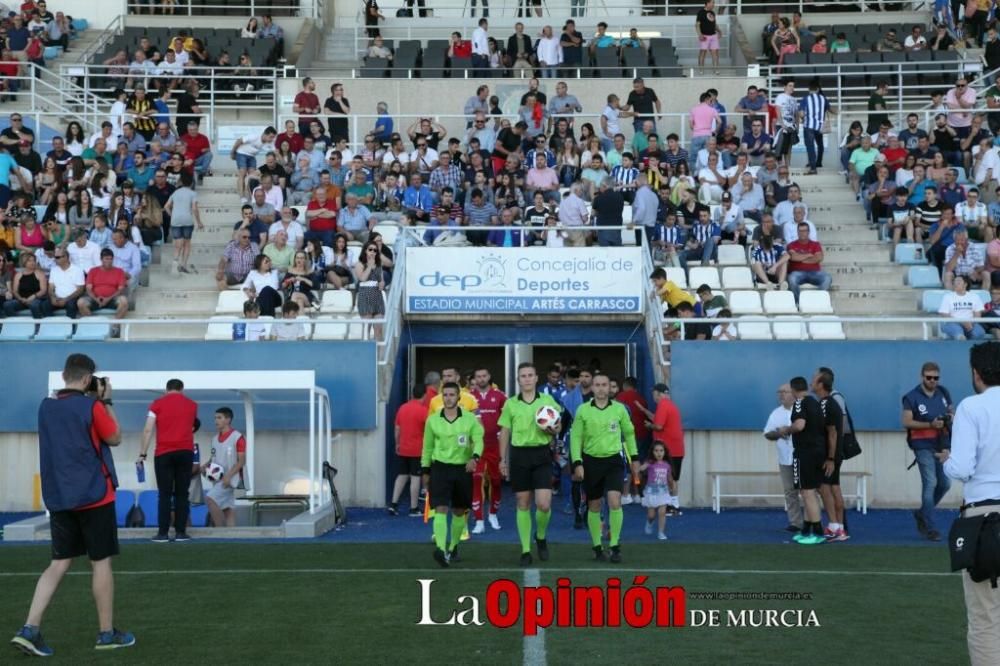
{"x": 414, "y": 236}
{"x": 929, "y": 324}
{"x": 654, "y": 320}
{"x": 573, "y": 72}
{"x": 127, "y": 324}
{"x": 247, "y": 8}
{"x": 115, "y": 28}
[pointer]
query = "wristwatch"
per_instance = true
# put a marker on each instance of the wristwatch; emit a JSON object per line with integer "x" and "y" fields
{"x": 108, "y": 402}
{"x": 475, "y": 456}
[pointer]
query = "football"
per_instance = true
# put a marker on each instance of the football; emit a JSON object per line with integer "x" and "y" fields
{"x": 214, "y": 472}
{"x": 547, "y": 417}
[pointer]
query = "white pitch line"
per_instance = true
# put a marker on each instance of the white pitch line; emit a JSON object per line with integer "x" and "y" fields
{"x": 534, "y": 646}
{"x": 454, "y": 571}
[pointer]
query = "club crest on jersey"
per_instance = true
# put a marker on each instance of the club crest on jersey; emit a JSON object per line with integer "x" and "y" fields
{"x": 613, "y": 426}
{"x": 462, "y": 440}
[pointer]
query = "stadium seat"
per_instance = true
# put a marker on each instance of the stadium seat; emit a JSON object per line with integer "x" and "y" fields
{"x": 52, "y": 52}
{"x": 930, "y": 300}
{"x": 704, "y": 275}
{"x": 780, "y": 302}
{"x": 219, "y": 330}
{"x": 80, "y": 24}
{"x": 199, "y": 515}
{"x": 389, "y": 232}
{"x": 330, "y": 331}
{"x": 55, "y": 329}
{"x": 754, "y": 328}
{"x": 337, "y": 301}
{"x": 745, "y": 302}
{"x": 923, "y": 277}
{"x": 148, "y": 503}
{"x": 124, "y": 501}
{"x": 737, "y": 277}
{"x": 789, "y": 327}
{"x": 984, "y": 295}
{"x": 677, "y": 276}
{"x": 826, "y": 328}
{"x": 910, "y": 254}
{"x": 815, "y": 302}
{"x": 17, "y": 329}
{"x": 92, "y": 329}
{"x": 732, "y": 255}
{"x": 230, "y": 302}
{"x": 627, "y": 214}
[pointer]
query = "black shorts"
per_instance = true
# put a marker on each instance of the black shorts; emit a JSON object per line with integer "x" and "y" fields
{"x": 833, "y": 479}
{"x": 408, "y": 465}
{"x": 675, "y": 467}
{"x": 602, "y": 475}
{"x": 807, "y": 469}
{"x": 451, "y": 486}
{"x": 93, "y": 533}
{"x": 530, "y": 468}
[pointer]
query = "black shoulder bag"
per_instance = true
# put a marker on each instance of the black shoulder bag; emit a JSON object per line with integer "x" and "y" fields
{"x": 852, "y": 447}
{"x": 974, "y": 545}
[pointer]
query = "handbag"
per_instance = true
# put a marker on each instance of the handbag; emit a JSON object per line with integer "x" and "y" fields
{"x": 851, "y": 446}
{"x": 974, "y": 545}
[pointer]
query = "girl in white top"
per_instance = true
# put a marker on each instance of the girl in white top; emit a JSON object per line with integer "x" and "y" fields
{"x": 554, "y": 235}
{"x": 961, "y": 305}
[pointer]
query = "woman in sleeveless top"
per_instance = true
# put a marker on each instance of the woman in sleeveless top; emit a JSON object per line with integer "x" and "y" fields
{"x": 29, "y": 236}
{"x": 785, "y": 41}
{"x": 30, "y": 288}
{"x": 370, "y": 285}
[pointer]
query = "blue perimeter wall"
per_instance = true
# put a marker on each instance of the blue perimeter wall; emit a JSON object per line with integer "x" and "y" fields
{"x": 347, "y": 370}
{"x": 731, "y": 386}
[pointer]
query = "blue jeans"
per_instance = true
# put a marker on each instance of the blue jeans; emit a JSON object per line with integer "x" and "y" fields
{"x": 324, "y": 237}
{"x": 814, "y": 147}
{"x": 816, "y": 278}
{"x": 548, "y": 72}
{"x": 706, "y": 253}
{"x": 933, "y": 483}
{"x": 609, "y": 237}
{"x": 845, "y": 158}
{"x": 955, "y": 331}
{"x": 202, "y": 163}
{"x": 697, "y": 143}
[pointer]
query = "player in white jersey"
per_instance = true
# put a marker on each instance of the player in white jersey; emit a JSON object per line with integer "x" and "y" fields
{"x": 229, "y": 449}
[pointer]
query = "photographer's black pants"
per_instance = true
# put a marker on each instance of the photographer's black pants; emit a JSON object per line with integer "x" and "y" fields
{"x": 173, "y": 479}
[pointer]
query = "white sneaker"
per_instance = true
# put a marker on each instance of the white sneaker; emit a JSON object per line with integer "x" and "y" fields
{"x": 479, "y": 528}
{"x": 661, "y": 536}
{"x": 649, "y": 527}
{"x": 494, "y": 523}
{"x": 174, "y": 270}
{"x": 626, "y": 499}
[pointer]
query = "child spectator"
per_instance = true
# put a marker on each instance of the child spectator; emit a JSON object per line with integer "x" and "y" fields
{"x": 840, "y": 44}
{"x": 660, "y": 485}
{"x": 288, "y": 328}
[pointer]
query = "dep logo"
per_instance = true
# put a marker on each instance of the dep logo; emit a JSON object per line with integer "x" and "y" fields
{"x": 491, "y": 273}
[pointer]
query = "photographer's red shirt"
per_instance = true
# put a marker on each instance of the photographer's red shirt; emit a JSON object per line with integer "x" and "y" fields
{"x": 102, "y": 427}
{"x": 174, "y": 414}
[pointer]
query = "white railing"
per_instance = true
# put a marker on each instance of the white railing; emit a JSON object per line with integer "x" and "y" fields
{"x": 277, "y": 8}
{"x": 127, "y": 324}
{"x": 62, "y": 97}
{"x": 654, "y": 320}
{"x": 929, "y": 324}
{"x": 115, "y": 28}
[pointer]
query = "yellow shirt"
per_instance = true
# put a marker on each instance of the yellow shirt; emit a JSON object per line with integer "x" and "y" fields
{"x": 673, "y": 295}
{"x": 465, "y": 400}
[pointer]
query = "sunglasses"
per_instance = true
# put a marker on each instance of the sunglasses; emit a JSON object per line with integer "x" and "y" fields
{"x": 932, "y": 378}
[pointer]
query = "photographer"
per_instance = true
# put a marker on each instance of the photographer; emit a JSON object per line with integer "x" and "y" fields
{"x": 76, "y": 427}
{"x": 927, "y": 412}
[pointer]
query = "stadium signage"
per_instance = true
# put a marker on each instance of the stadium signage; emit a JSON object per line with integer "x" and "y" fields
{"x": 524, "y": 280}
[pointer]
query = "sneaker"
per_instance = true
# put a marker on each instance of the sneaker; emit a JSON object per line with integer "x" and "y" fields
{"x": 841, "y": 535}
{"x": 921, "y": 522}
{"x": 526, "y": 560}
{"x": 192, "y": 269}
{"x": 415, "y": 513}
{"x": 440, "y": 557}
{"x": 183, "y": 269}
{"x": 626, "y": 500}
{"x": 543, "y": 549}
{"x": 114, "y": 639}
{"x": 453, "y": 555}
{"x": 494, "y": 522}
{"x": 479, "y": 528}
{"x": 616, "y": 554}
{"x": 29, "y": 641}
{"x": 811, "y": 540}
{"x": 174, "y": 268}
{"x": 811, "y": 172}
{"x": 828, "y": 533}
{"x": 181, "y": 537}
{"x": 578, "y": 522}
{"x": 599, "y": 554}
{"x": 798, "y": 537}
{"x": 933, "y": 535}
{"x": 794, "y": 529}
{"x": 649, "y": 527}
{"x": 661, "y": 536}
{"x": 161, "y": 538}
{"x": 393, "y": 510}
{"x": 783, "y": 286}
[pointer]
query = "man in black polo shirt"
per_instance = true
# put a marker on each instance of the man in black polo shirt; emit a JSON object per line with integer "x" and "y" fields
{"x": 809, "y": 441}
{"x": 833, "y": 415}
{"x": 644, "y": 102}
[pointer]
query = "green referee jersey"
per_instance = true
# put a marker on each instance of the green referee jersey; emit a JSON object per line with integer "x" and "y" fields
{"x": 518, "y": 416}
{"x": 451, "y": 442}
{"x": 598, "y": 432}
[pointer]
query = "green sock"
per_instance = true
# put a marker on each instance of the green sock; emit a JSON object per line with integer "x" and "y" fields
{"x": 441, "y": 530}
{"x": 617, "y": 517}
{"x": 542, "y": 519}
{"x": 457, "y": 526}
{"x": 524, "y": 529}
{"x": 594, "y": 525}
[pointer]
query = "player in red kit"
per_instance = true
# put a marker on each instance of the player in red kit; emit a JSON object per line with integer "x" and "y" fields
{"x": 491, "y": 401}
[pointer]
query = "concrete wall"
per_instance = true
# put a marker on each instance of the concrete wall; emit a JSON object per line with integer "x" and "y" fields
{"x": 99, "y": 13}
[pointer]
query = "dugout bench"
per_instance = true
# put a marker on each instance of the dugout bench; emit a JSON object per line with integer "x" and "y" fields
{"x": 860, "y": 495}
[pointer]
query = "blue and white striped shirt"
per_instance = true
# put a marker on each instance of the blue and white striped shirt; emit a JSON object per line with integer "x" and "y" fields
{"x": 814, "y": 107}
{"x": 767, "y": 257}
{"x": 624, "y": 177}
{"x": 702, "y": 232}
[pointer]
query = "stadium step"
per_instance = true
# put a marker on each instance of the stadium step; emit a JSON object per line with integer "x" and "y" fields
{"x": 855, "y": 302}
{"x": 886, "y": 331}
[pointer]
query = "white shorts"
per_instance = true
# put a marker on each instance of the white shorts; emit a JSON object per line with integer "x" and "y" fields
{"x": 655, "y": 500}
{"x": 225, "y": 498}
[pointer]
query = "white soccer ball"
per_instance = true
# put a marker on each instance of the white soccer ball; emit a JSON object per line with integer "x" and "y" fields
{"x": 547, "y": 417}
{"x": 214, "y": 472}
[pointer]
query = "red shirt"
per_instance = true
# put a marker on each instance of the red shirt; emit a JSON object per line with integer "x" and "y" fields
{"x": 431, "y": 392}
{"x": 195, "y": 146}
{"x": 174, "y": 414}
{"x": 105, "y": 282}
{"x": 306, "y": 100}
{"x": 672, "y": 434}
{"x": 322, "y": 223}
{"x": 895, "y": 157}
{"x": 294, "y": 141}
{"x": 410, "y": 419}
{"x": 463, "y": 49}
{"x": 631, "y": 398}
{"x": 490, "y": 404}
{"x": 102, "y": 426}
{"x": 809, "y": 247}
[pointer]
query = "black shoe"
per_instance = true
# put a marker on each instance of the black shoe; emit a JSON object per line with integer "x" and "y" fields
{"x": 393, "y": 511}
{"x": 599, "y": 554}
{"x": 543, "y": 549}
{"x": 616, "y": 554}
{"x": 921, "y": 522}
{"x": 794, "y": 529}
{"x": 180, "y": 537}
{"x": 453, "y": 557}
{"x": 440, "y": 557}
{"x": 415, "y": 513}
{"x": 578, "y": 522}
{"x": 161, "y": 538}
{"x": 933, "y": 535}
{"x": 526, "y": 559}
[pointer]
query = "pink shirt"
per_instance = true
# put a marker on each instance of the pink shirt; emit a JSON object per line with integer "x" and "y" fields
{"x": 703, "y": 119}
{"x": 542, "y": 178}
{"x": 960, "y": 118}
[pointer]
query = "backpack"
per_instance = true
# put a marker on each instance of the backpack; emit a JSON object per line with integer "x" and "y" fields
{"x": 404, "y": 12}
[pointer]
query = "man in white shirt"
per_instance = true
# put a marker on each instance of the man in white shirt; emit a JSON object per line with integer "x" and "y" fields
{"x": 171, "y": 69}
{"x": 783, "y": 211}
{"x": 915, "y": 41}
{"x": 106, "y": 132}
{"x": 778, "y": 430}
{"x": 972, "y": 213}
{"x": 573, "y": 212}
{"x": 294, "y": 230}
{"x": 789, "y": 230}
{"x": 66, "y": 284}
{"x": 986, "y": 164}
{"x": 245, "y": 152}
{"x": 84, "y": 252}
{"x": 481, "y": 49}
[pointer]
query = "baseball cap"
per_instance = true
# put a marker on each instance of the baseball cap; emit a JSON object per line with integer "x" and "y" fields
{"x": 726, "y": 196}
{"x": 661, "y": 388}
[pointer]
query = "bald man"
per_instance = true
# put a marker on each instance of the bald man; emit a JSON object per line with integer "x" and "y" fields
{"x": 778, "y": 430}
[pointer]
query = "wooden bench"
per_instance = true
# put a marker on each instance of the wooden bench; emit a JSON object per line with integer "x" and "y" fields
{"x": 259, "y": 502}
{"x": 860, "y": 495}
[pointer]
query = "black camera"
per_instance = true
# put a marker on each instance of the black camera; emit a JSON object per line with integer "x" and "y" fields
{"x": 946, "y": 418}
{"x": 96, "y": 384}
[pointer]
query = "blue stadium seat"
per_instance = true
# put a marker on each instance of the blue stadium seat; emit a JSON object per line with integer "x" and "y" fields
{"x": 984, "y": 295}
{"x": 124, "y": 501}
{"x": 93, "y": 329}
{"x": 18, "y": 329}
{"x": 199, "y": 515}
{"x": 52, "y": 52}
{"x": 55, "y": 329}
{"x": 923, "y": 277}
{"x": 930, "y": 300}
{"x": 907, "y": 254}
{"x": 148, "y": 503}
{"x": 80, "y": 24}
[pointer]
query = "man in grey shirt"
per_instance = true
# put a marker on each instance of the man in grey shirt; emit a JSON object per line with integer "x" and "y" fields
{"x": 262, "y": 210}
{"x": 479, "y": 213}
{"x": 644, "y": 208}
{"x": 562, "y": 104}
{"x": 356, "y": 221}
{"x": 478, "y": 103}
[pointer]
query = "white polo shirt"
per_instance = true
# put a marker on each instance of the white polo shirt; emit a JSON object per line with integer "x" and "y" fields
{"x": 65, "y": 282}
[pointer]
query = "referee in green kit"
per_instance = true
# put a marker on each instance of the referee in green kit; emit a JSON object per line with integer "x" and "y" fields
{"x": 599, "y": 428}
{"x": 526, "y": 459}
{"x": 453, "y": 443}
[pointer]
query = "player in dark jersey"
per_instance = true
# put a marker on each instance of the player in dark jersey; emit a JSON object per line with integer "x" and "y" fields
{"x": 829, "y": 490}
{"x": 809, "y": 440}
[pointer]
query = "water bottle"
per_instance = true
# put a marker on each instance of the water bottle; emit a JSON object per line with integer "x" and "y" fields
{"x": 140, "y": 471}
{"x": 239, "y": 331}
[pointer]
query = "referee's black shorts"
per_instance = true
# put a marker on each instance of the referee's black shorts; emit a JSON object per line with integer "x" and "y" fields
{"x": 602, "y": 475}
{"x": 807, "y": 469}
{"x": 93, "y": 532}
{"x": 530, "y": 468}
{"x": 451, "y": 486}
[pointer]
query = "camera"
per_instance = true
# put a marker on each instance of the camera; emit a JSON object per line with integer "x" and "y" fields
{"x": 96, "y": 384}
{"x": 946, "y": 418}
